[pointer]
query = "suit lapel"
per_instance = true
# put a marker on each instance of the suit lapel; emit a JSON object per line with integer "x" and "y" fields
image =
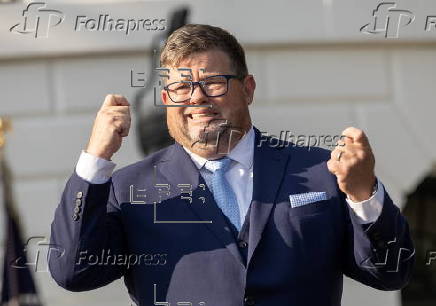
{"x": 178, "y": 168}
{"x": 269, "y": 168}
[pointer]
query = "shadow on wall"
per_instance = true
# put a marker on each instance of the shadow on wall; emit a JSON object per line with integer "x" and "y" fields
{"x": 420, "y": 211}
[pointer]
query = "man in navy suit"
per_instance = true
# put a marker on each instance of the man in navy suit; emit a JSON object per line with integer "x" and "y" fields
{"x": 224, "y": 216}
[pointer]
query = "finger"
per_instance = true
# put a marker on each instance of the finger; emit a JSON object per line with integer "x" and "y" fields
{"x": 331, "y": 165}
{"x": 335, "y": 167}
{"x": 356, "y": 135}
{"x": 114, "y": 100}
{"x": 115, "y": 117}
{"x": 118, "y": 119}
{"x": 343, "y": 141}
{"x": 126, "y": 129}
{"x": 118, "y": 109}
{"x": 346, "y": 140}
{"x": 337, "y": 154}
{"x": 121, "y": 100}
{"x": 122, "y": 128}
{"x": 109, "y": 100}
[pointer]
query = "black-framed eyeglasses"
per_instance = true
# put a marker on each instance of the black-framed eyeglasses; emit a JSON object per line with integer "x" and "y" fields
{"x": 212, "y": 86}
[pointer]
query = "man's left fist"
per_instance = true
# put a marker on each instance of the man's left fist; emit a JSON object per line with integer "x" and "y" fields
{"x": 353, "y": 163}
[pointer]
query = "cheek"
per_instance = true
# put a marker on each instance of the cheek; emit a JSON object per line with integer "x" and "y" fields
{"x": 171, "y": 120}
{"x": 237, "y": 99}
{"x": 235, "y": 106}
{"x": 175, "y": 114}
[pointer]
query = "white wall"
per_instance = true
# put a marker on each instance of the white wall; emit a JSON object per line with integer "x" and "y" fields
{"x": 316, "y": 74}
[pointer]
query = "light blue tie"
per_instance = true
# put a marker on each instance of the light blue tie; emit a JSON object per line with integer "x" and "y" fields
{"x": 222, "y": 191}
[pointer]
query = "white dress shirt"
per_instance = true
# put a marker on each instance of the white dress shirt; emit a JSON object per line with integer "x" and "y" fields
{"x": 96, "y": 170}
{"x": 240, "y": 173}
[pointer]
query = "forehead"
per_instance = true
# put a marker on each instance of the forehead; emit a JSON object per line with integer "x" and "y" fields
{"x": 213, "y": 61}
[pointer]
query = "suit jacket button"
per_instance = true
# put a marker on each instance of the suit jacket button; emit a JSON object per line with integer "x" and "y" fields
{"x": 76, "y": 217}
{"x": 77, "y": 210}
{"x": 79, "y": 195}
{"x": 78, "y": 202}
{"x": 243, "y": 244}
{"x": 248, "y": 300}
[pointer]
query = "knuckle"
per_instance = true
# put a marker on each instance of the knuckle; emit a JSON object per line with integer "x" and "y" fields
{"x": 348, "y": 130}
{"x": 361, "y": 154}
{"x": 108, "y": 97}
{"x": 333, "y": 153}
{"x": 102, "y": 111}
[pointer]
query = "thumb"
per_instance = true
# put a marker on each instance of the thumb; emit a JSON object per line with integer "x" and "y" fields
{"x": 332, "y": 167}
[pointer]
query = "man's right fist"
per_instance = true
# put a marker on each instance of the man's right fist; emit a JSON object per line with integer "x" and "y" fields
{"x": 111, "y": 124}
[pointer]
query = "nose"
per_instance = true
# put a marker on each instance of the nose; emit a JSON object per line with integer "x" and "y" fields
{"x": 198, "y": 96}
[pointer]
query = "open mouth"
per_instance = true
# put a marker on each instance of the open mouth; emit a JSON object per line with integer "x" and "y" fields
{"x": 202, "y": 116}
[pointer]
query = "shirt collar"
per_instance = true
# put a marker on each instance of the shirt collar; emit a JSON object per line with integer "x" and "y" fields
{"x": 241, "y": 153}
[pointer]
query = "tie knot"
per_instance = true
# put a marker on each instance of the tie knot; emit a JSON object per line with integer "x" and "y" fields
{"x": 218, "y": 164}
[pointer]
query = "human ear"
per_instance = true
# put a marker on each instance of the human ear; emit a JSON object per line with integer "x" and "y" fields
{"x": 249, "y": 85}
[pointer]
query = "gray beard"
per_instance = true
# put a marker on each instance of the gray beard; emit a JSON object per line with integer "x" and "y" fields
{"x": 219, "y": 138}
{"x": 216, "y": 135}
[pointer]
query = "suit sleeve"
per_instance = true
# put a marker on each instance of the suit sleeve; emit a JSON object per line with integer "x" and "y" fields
{"x": 379, "y": 254}
{"x": 87, "y": 236}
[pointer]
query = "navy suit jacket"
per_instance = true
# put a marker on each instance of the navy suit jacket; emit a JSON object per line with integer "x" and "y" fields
{"x": 156, "y": 224}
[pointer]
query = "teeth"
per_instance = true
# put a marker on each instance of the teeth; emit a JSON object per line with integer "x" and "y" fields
{"x": 195, "y": 116}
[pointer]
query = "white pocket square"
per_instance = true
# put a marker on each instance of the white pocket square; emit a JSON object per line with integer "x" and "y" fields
{"x": 300, "y": 199}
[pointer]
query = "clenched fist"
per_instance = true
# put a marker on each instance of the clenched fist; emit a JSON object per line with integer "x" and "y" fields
{"x": 352, "y": 161}
{"x": 110, "y": 126}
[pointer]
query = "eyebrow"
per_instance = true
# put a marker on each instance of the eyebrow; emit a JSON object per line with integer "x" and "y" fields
{"x": 201, "y": 70}
{"x": 203, "y": 75}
